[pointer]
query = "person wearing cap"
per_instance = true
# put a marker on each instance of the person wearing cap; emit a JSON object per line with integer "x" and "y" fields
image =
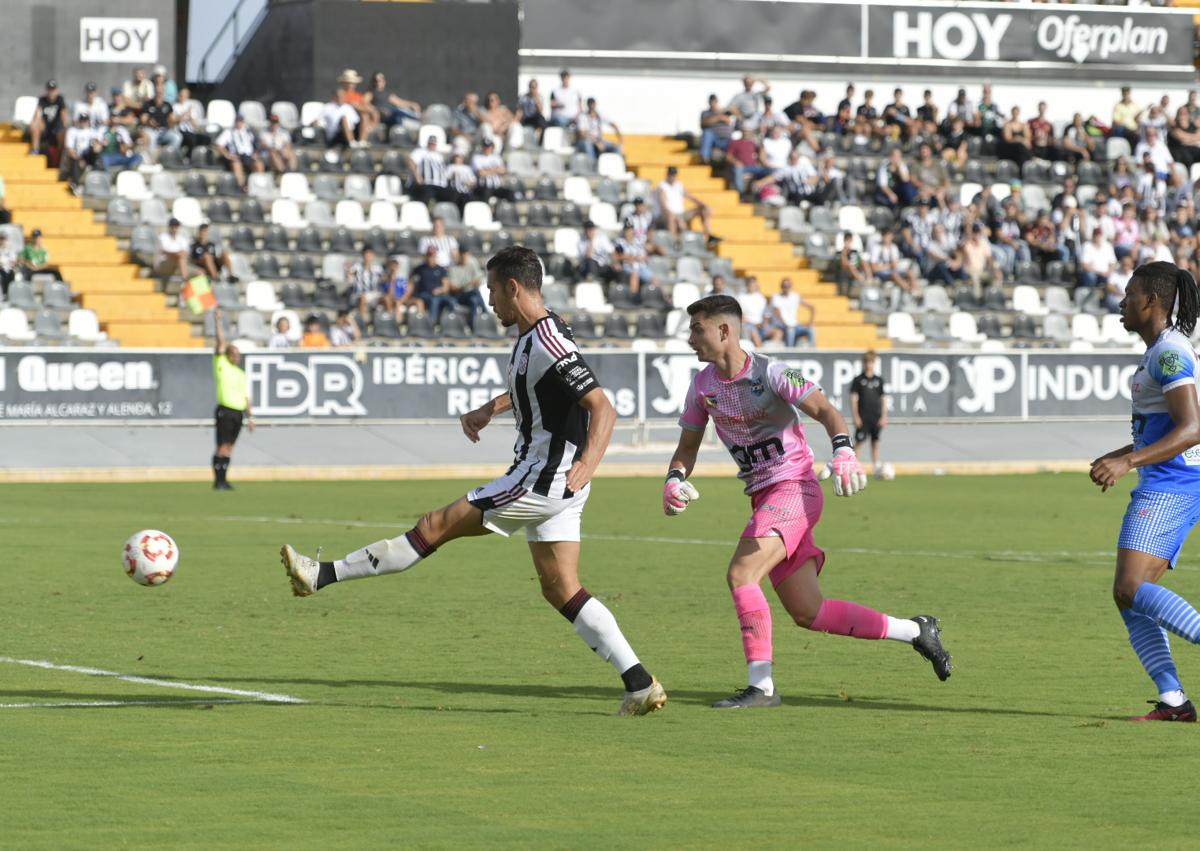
{"x": 676, "y": 216}
{"x": 171, "y": 90}
{"x": 49, "y": 119}
{"x": 428, "y": 168}
{"x": 207, "y": 258}
{"x": 238, "y": 147}
{"x": 35, "y": 257}
{"x": 91, "y": 107}
{"x": 430, "y": 285}
{"x": 391, "y": 107}
{"x": 174, "y": 252}
{"x": 233, "y": 402}
{"x": 81, "y": 147}
{"x": 461, "y": 179}
{"x": 140, "y": 88}
{"x": 961, "y": 107}
{"x": 590, "y": 132}
{"x": 595, "y": 254}
{"x": 489, "y": 171}
{"x": 368, "y": 116}
{"x": 338, "y": 118}
{"x": 565, "y": 102}
{"x": 275, "y": 142}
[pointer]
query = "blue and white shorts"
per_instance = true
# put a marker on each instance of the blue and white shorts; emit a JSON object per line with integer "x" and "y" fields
{"x": 1158, "y": 523}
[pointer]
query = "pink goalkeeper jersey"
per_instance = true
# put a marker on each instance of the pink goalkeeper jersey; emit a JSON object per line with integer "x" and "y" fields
{"x": 756, "y": 418}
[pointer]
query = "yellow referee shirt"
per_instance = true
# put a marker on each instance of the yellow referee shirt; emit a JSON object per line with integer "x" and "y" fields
{"x": 233, "y": 390}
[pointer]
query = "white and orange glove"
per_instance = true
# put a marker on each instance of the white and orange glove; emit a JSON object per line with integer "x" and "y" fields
{"x": 848, "y": 474}
{"x": 677, "y": 493}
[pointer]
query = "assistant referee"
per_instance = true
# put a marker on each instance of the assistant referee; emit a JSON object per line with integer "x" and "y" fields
{"x": 233, "y": 404}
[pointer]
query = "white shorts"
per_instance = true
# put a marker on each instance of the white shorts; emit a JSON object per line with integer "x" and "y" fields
{"x": 507, "y": 509}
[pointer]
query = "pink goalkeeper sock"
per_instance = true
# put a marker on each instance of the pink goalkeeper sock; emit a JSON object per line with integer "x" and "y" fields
{"x": 754, "y": 615}
{"x": 841, "y": 617}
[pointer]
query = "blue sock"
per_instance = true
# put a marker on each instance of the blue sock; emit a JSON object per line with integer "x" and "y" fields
{"x": 1150, "y": 643}
{"x": 1168, "y": 610}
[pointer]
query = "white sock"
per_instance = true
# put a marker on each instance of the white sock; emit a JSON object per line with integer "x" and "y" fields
{"x": 390, "y": 556}
{"x": 1173, "y": 698}
{"x": 902, "y": 629}
{"x": 596, "y": 625}
{"x": 760, "y": 677}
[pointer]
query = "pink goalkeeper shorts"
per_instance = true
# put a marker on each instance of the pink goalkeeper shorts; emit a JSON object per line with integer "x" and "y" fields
{"x": 790, "y": 510}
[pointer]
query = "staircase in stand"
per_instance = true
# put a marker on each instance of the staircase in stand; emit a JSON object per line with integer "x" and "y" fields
{"x": 752, "y": 244}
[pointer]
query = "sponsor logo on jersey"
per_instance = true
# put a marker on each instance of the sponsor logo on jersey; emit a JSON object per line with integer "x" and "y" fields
{"x": 523, "y": 364}
{"x": 710, "y": 400}
{"x": 1170, "y": 363}
{"x": 795, "y": 377}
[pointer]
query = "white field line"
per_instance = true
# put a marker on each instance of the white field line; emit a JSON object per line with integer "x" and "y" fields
{"x": 86, "y": 704}
{"x": 1107, "y": 557}
{"x": 259, "y": 696}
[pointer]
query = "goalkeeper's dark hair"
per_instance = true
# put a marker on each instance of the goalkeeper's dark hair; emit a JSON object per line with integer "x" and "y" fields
{"x": 1175, "y": 289}
{"x": 519, "y": 263}
{"x": 716, "y": 305}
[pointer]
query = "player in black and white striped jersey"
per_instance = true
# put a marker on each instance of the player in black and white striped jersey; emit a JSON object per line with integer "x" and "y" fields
{"x": 429, "y": 173}
{"x": 564, "y": 422}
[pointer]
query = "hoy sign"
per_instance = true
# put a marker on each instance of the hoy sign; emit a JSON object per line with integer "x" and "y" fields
{"x": 118, "y": 39}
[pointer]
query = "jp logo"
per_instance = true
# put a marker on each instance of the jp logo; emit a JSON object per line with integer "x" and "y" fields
{"x": 988, "y": 377}
{"x": 321, "y": 386}
{"x": 675, "y": 372}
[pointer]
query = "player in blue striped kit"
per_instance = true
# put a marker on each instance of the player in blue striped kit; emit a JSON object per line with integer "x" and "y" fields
{"x": 1165, "y": 505}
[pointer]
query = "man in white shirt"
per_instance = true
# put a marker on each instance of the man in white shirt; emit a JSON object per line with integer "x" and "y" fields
{"x": 277, "y": 148}
{"x": 446, "y": 245}
{"x": 237, "y": 146}
{"x": 187, "y": 119}
{"x": 344, "y": 331}
{"x": 754, "y": 312}
{"x": 338, "y": 119}
{"x": 93, "y": 107}
{"x": 785, "y": 310}
{"x": 489, "y": 171}
{"x": 1158, "y": 151}
{"x": 673, "y": 210}
{"x": 590, "y": 131}
{"x": 81, "y": 147}
{"x": 565, "y": 102}
{"x": 886, "y": 264}
{"x": 279, "y": 340}
{"x": 595, "y": 254}
{"x": 1118, "y": 280}
{"x": 776, "y": 149}
{"x": 174, "y": 248}
{"x": 1097, "y": 260}
{"x": 430, "y": 180}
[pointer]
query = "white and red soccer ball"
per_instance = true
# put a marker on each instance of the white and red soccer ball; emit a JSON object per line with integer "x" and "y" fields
{"x": 150, "y": 557}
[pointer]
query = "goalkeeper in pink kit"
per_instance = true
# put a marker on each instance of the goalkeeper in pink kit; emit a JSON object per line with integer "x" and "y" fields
{"x": 755, "y": 405}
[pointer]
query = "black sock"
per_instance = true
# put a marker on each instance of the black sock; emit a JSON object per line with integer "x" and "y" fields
{"x": 326, "y": 576}
{"x": 636, "y": 678}
{"x": 218, "y": 472}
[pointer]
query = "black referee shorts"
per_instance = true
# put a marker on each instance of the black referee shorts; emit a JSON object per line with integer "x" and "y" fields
{"x": 229, "y": 424}
{"x": 868, "y": 431}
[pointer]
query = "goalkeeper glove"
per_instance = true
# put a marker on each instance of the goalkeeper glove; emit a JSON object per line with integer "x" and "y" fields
{"x": 848, "y": 474}
{"x": 677, "y": 493}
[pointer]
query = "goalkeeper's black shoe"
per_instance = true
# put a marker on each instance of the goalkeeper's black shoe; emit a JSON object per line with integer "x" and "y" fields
{"x": 929, "y": 645}
{"x": 751, "y": 697}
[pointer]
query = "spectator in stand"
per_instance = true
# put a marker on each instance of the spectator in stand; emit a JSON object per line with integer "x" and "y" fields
{"x": 990, "y": 116}
{"x": 747, "y": 104}
{"x": 49, "y": 122}
{"x": 979, "y": 261}
{"x": 832, "y": 182}
{"x": 927, "y": 115}
{"x": 275, "y": 142}
{"x": 929, "y": 175}
{"x": 962, "y": 108}
{"x": 785, "y": 311}
{"x": 589, "y": 127}
{"x": 428, "y": 168}
{"x": 344, "y": 331}
{"x": 852, "y": 269}
{"x": 1183, "y": 139}
{"x": 396, "y": 293}
{"x": 366, "y": 277}
{"x": 156, "y": 115}
{"x": 565, "y": 102}
{"x": 124, "y": 114}
{"x": 629, "y": 260}
{"x": 445, "y": 245}
{"x": 1154, "y": 147}
{"x": 943, "y": 258}
{"x": 80, "y": 151}
{"x": 842, "y": 123}
{"x": 8, "y": 265}
{"x": 1042, "y": 239}
{"x": 897, "y": 117}
{"x": 718, "y": 286}
{"x": 314, "y": 337}
{"x": 1041, "y": 132}
{"x": 1009, "y": 236}
{"x": 1183, "y": 225}
{"x": 595, "y": 254}
{"x": 187, "y": 120}
{"x": 1120, "y": 178}
{"x": 430, "y": 285}
{"x": 1155, "y": 117}
{"x": 497, "y": 116}
{"x": 744, "y": 159}
{"x": 461, "y": 179}
{"x": 1016, "y": 139}
{"x": 466, "y": 277}
{"x": 338, "y": 119}
{"x": 1077, "y": 142}
{"x": 368, "y": 116}
{"x": 170, "y": 88}
{"x": 887, "y": 266}
{"x": 91, "y": 107}
{"x": 776, "y": 148}
{"x": 848, "y": 100}
{"x": 1118, "y": 280}
{"x": 116, "y": 149}
{"x": 807, "y": 121}
{"x": 391, "y": 108}
{"x": 893, "y": 183}
{"x": 676, "y": 216}
{"x": 1096, "y": 261}
{"x": 1127, "y": 232}
{"x": 279, "y": 340}
{"x": 754, "y": 312}
{"x": 799, "y": 180}
{"x": 238, "y": 147}
{"x": 489, "y": 171}
{"x": 530, "y": 109}
{"x": 207, "y": 258}
{"x": 770, "y": 117}
{"x": 954, "y": 146}
{"x": 642, "y": 219}
{"x": 140, "y": 89}
{"x": 867, "y": 109}
{"x": 468, "y": 118}
{"x": 1125, "y": 117}
{"x": 174, "y": 252}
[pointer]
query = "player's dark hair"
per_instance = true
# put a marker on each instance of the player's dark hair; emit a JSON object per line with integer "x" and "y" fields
{"x": 519, "y": 263}
{"x": 1175, "y": 289}
{"x": 716, "y": 305}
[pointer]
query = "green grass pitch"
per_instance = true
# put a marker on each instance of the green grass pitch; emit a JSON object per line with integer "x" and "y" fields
{"x": 451, "y": 707}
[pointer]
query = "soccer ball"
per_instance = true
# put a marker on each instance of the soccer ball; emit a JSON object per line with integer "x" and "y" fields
{"x": 150, "y": 557}
{"x": 887, "y": 472}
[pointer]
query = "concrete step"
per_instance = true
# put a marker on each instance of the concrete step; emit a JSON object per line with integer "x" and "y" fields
{"x": 118, "y": 307}
{"x": 153, "y": 333}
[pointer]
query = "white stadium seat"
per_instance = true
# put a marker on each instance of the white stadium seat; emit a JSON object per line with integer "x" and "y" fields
{"x": 577, "y": 190}
{"x": 612, "y": 165}
{"x": 604, "y": 215}
{"x": 566, "y": 242}
{"x": 478, "y": 215}
{"x": 1027, "y": 300}
{"x": 310, "y": 111}
{"x": 294, "y": 185}
{"x": 131, "y": 184}
{"x": 902, "y": 329}
{"x": 83, "y": 326}
{"x": 188, "y": 211}
{"x": 14, "y": 325}
{"x": 415, "y": 216}
{"x": 286, "y": 213}
{"x": 24, "y": 110}
{"x": 221, "y": 113}
{"x": 589, "y": 297}
{"x": 349, "y": 214}
{"x": 383, "y": 214}
{"x": 260, "y": 295}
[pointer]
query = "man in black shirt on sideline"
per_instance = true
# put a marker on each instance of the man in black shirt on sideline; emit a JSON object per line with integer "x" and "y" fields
{"x": 868, "y": 405}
